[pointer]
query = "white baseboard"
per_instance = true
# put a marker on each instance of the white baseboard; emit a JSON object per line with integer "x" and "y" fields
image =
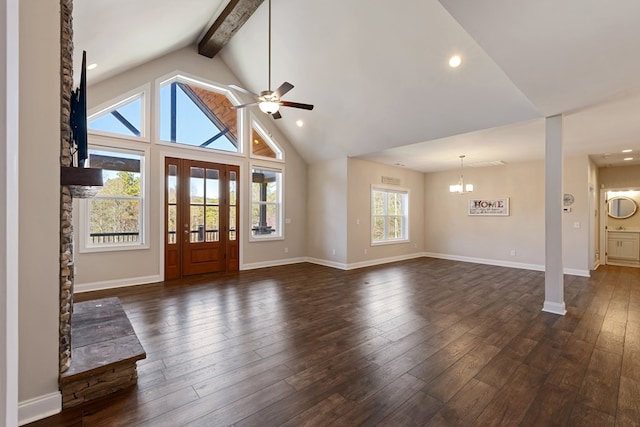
{"x": 120, "y": 283}
{"x": 379, "y": 261}
{"x": 502, "y": 263}
{"x": 554, "y": 307}
{"x": 576, "y": 272}
{"x": 264, "y": 264}
{"x": 38, "y": 408}
{"x": 326, "y": 263}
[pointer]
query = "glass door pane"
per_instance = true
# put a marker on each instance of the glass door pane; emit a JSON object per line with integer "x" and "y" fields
{"x": 233, "y": 200}
{"x": 212, "y": 203}
{"x": 172, "y": 204}
{"x": 196, "y": 202}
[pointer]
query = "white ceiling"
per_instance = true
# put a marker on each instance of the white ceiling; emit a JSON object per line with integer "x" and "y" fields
{"x": 377, "y": 72}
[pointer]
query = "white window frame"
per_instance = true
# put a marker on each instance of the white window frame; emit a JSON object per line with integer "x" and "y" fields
{"x": 279, "y": 207}
{"x": 259, "y": 127}
{"x": 144, "y": 93}
{"x": 85, "y": 241}
{"x": 405, "y": 228}
{"x": 179, "y": 76}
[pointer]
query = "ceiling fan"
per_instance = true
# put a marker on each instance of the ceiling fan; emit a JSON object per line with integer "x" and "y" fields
{"x": 270, "y": 101}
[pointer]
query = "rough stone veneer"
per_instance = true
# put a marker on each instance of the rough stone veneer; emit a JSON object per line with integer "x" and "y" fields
{"x": 112, "y": 379}
{"x": 66, "y": 208}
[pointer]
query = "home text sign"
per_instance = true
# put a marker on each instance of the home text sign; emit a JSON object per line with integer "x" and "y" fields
{"x": 490, "y": 207}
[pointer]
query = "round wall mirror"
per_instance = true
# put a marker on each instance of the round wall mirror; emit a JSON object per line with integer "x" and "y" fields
{"x": 621, "y": 207}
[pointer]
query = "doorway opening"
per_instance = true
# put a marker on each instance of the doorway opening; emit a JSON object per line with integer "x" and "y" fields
{"x": 620, "y": 226}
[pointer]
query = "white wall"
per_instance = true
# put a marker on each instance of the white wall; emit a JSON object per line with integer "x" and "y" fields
{"x": 451, "y": 233}
{"x": 39, "y": 206}
{"x": 9, "y": 125}
{"x": 594, "y": 213}
{"x": 104, "y": 269}
{"x": 327, "y": 212}
{"x": 621, "y": 177}
{"x": 361, "y": 175}
{"x": 575, "y": 241}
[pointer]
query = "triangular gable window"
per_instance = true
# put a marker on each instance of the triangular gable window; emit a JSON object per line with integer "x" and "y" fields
{"x": 262, "y": 145}
{"x": 193, "y": 115}
{"x": 124, "y": 118}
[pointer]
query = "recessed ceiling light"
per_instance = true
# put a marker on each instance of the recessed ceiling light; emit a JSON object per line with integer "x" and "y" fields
{"x": 255, "y": 141}
{"x": 628, "y": 158}
{"x": 455, "y": 61}
{"x": 92, "y": 66}
{"x": 300, "y": 123}
{"x": 628, "y": 150}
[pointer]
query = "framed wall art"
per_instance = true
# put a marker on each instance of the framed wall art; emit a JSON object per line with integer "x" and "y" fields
{"x": 489, "y": 207}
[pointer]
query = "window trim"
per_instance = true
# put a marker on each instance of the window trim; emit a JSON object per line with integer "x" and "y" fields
{"x": 387, "y": 189}
{"x": 85, "y": 245}
{"x": 281, "y": 221}
{"x": 144, "y": 92}
{"x": 182, "y": 77}
{"x": 268, "y": 137}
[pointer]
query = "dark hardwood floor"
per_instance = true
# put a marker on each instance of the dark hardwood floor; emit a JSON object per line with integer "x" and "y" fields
{"x": 421, "y": 342}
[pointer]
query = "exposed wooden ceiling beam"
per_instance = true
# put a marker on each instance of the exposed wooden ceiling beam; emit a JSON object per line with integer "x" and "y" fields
{"x": 225, "y": 26}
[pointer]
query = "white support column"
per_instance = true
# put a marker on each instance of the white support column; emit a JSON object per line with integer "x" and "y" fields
{"x": 554, "y": 277}
{"x": 9, "y": 212}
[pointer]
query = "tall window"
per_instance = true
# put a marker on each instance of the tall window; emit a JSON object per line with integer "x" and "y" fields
{"x": 266, "y": 203}
{"x": 194, "y": 114}
{"x": 115, "y": 215}
{"x": 389, "y": 215}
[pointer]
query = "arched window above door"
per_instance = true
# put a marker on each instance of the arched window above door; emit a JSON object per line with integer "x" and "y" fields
{"x": 198, "y": 114}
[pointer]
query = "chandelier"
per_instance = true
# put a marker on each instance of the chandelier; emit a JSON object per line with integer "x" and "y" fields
{"x": 461, "y": 187}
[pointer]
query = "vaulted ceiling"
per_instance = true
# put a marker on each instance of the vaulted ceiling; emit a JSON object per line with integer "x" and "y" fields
{"x": 377, "y": 72}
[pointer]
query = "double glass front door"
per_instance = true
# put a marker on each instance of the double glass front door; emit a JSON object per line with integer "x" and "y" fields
{"x": 201, "y": 217}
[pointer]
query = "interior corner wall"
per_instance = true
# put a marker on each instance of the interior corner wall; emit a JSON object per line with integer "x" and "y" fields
{"x": 594, "y": 189}
{"x": 361, "y": 176}
{"x": 327, "y": 212}
{"x": 576, "y": 229}
{"x": 9, "y": 147}
{"x": 39, "y": 199}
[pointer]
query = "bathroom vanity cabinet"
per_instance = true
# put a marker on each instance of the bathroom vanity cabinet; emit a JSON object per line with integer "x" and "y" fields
{"x": 623, "y": 247}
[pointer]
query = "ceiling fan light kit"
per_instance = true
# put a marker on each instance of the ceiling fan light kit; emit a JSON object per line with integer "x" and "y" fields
{"x": 269, "y": 107}
{"x": 270, "y": 101}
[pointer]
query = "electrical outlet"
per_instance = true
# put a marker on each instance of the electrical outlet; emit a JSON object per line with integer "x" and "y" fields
{"x": 286, "y": 250}
{"x": 333, "y": 251}
{"x": 513, "y": 252}
{"x": 365, "y": 251}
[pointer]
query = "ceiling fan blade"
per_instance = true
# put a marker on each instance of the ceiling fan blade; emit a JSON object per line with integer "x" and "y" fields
{"x": 284, "y": 88}
{"x": 296, "y": 105}
{"x": 235, "y": 107}
{"x": 277, "y": 115}
{"x": 243, "y": 90}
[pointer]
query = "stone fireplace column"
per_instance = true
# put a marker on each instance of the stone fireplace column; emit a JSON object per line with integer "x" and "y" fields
{"x": 66, "y": 207}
